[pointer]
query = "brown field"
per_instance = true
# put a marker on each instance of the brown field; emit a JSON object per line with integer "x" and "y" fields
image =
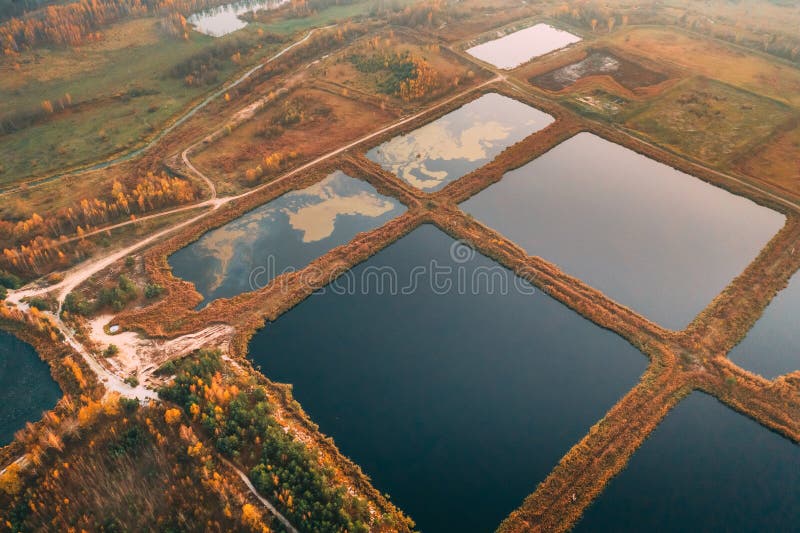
{"x": 474, "y": 17}
{"x": 67, "y": 192}
{"x": 713, "y": 59}
{"x": 778, "y": 160}
{"x": 330, "y": 120}
{"x": 451, "y": 70}
{"x": 709, "y": 121}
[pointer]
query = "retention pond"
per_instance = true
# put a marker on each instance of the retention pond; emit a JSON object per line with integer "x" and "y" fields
{"x": 705, "y": 468}
{"x": 26, "y": 387}
{"x": 451, "y": 382}
{"x": 772, "y": 347}
{"x": 647, "y": 235}
{"x": 513, "y": 50}
{"x": 458, "y": 143}
{"x": 283, "y": 235}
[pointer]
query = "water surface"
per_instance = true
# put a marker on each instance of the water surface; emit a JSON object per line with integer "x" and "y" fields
{"x": 458, "y": 143}
{"x": 626, "y": 73}
{"x": 456, "y": 399}
{"x": 222, "y": 20}
{"x": 521, "y": 46}
{"x": 647, "y": 235}
{"x": 285, "y": 234}
{"x": 772, "y": 347}
{"x": 705, "y": 468}
{"x": 26, "y": 387}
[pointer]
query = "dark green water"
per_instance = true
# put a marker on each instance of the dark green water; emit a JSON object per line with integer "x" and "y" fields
{"x": 647, "y": 235}
{"x": 772, "y": 347}
{"x": 26, "y": 387}
{"x": 432, "y": 156}
{"x": 705, "y": 468}
{"x": 455, "y": 398}
{"x": 285, "y": 234}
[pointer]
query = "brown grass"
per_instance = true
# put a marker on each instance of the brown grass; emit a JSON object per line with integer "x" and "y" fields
{"x": 713, "y": 59}
{"x": 229, "y": 158}
{"x": 776, "y": 161}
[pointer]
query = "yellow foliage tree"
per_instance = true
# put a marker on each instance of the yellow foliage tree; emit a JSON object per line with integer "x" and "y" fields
{"x": 172, "y": 416}
{"x": 10, "y": 483}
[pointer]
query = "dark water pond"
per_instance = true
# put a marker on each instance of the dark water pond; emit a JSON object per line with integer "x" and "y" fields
{"x": 287, "y": 233}
{"x": 458, "y": 143}
{"x": 456, "y": 397}
{"x": 705, "y": 468}
{"x": 649, "y": 236}
{"x": 772, "y": 347}
{"x": 26, "y": 387}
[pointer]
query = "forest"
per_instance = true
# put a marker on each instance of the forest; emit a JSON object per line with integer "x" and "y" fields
{"x": 237, "y": 417}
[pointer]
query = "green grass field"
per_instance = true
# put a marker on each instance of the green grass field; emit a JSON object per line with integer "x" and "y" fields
{"x": 287, "y": 26}
{"x": 134, "y": 56}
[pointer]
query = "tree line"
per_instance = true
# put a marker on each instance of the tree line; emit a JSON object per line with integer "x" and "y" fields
{"x": 33, "y": 245}
{"x": 79, "y": 22}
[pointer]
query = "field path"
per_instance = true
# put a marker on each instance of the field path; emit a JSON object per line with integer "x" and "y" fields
{"x": 166, "y": 131}
{"x": 80, "y": 273}
{"x": 266, "y": 503}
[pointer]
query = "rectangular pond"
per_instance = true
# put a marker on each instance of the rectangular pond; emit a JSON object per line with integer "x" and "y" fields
{"x": 285, "y": 234}
{"x": 458, "y": 143}
{"x": 647, "y": 235}
{"x": 705, "y": 468}
{"x": 515, "y": 49}
{"x": 26, "y": 387}
{"x": 772, "y": 347}
{"x": 451, "y": 382}
{"x": 222, "y": 20}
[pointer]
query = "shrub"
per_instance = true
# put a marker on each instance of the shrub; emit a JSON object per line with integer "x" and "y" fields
{"x": 111, "y": 351}
{"x": 128, "y": 443}
{"x": 153, "y": 290}
{"x": 129, "y": 405}
{"x": 39, "y": 303}
{"x": 9, "y": 280}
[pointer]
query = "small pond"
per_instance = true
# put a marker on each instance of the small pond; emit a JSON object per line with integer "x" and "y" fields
{"x": 647, "y": 235}
{"x": 26, "y": 387}
{"x": 772, "y": 347}
{"x": 222, "y": 20}
{"x": 458, "y": 143}
{"x": 599, "y": 62}
{"x": 285, "y": 234}
{"x": 705, "y": 468}
{"x": 455, "y": 396}
{"x": 513, "y": 50}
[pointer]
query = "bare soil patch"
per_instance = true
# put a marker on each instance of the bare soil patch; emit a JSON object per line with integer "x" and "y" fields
{"x": 599, "y": 63}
